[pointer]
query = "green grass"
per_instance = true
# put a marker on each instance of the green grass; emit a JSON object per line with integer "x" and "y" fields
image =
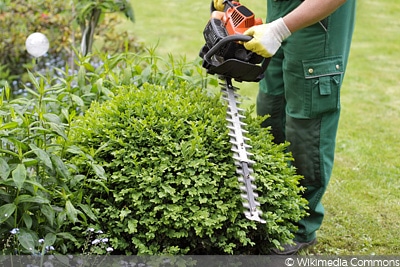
{"x": 363, "y": 200}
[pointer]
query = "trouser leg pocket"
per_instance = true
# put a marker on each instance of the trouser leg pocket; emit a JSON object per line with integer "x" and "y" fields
{"x": 323, "y": 79}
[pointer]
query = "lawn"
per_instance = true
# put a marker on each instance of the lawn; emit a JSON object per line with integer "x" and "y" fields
{"x": 363, "y": 200}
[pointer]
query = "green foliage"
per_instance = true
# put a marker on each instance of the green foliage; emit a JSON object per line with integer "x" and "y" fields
{"x": 33, "y": 195}
{"x": 34, "y": 187}
{"x": 149, "y": 164}
{"x": 169, "y": 183}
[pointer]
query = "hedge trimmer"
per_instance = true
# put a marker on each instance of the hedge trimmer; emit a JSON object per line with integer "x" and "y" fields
{"x": 225, "y": 56}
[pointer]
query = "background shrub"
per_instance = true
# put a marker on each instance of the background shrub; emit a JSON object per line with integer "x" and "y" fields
{"x": 169, "y": 183}
{"x": 55, "y": 19}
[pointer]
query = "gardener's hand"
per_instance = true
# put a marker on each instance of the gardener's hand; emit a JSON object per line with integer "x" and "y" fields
{"x": 219, "y": 5}
{"x": 267, "y": 38}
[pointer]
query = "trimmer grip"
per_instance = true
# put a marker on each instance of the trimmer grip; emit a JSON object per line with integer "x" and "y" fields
{"x": 212, "y": 8}
{"x": 231, "y": 38}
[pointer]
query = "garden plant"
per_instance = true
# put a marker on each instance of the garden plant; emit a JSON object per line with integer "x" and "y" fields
{"x": 138, "y": 149}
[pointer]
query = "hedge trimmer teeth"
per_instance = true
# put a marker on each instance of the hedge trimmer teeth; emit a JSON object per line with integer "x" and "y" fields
{"x": 241, "y": 153}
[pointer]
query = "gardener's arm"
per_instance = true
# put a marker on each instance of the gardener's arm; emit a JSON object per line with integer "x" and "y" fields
{"x": 310, "y": 12}
{"x": 267, "y": 38}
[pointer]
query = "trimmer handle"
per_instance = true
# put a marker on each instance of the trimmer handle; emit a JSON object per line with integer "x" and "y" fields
{"x": 224, "y": 41}
{"x": 228, "y": 4}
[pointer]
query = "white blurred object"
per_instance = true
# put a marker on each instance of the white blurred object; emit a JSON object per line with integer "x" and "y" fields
{"x": 37, "y": 44}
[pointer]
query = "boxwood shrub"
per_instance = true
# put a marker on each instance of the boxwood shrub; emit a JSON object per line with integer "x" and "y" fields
{"x": 167, "y": 182}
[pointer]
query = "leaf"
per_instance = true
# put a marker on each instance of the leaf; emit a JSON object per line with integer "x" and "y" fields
{"x": 86, "y": 209}
{"x": 27, "y": 220}
{"x": 146, "y": 74}
{"x": 99, "y": 85}
{"x": 6, "y": 211}
{"x": 66, "y": 114}
{"x": 77, "y": 100}
{"x": 81, "y": 76}
{"x": 4, "y": 169}
{"x": 42, "y": 155}
{"x": 71, "y": 211}
{"x": 113, "y": 61}
{"x": 127, "y": 76}
{"x": 129, "y": 12}
{"x": 60, "y": 167}
{"x": 28, "y": 162}
{"x": 170, "y": 190}
{"x": 74, "y": 180}
{"x": 49, "y": 213}
{"x": 99, "y": 171}
{"x": 50, "y": 117}
{"x": 13, "y": 154}
{"x": 75, "y": 150}
{"x": 9, "y": 125}
{"x": 26, "y": 240}
{"x": 61, "y": 217}
{"x": 132, "y": 226}
{"x": 88, "y": 66}
{"x": 38, "y": 185}
{"x": 19, "y": 176}
{"x": 58, "y": 129}
{"x": 49, "y": 239}
{"x": 105, "y": 91}
{"x": 68, "y": 236}
{"x": 33, "y": 79}
{"x": 31, "y": 199}
{"x": 99, "y": 183}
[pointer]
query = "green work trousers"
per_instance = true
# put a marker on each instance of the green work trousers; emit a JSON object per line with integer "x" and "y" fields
{"x": 301, "y": 93}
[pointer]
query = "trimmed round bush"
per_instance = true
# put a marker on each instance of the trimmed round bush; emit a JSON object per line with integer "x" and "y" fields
{"x": 161, "y": 179}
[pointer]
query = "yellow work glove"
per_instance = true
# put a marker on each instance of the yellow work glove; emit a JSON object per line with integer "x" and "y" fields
{"x": 267, "y": 38}
{"x": 219, "y": 5}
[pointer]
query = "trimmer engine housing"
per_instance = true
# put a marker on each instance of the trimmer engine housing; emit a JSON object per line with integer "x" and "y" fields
{"x": 227, "y": 56}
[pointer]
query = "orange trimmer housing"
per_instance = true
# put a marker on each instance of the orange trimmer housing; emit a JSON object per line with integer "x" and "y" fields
{"x": 238, "y": 18}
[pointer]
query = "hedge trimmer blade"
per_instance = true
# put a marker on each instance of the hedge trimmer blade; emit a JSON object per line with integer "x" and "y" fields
{"x": 241, "y": 153}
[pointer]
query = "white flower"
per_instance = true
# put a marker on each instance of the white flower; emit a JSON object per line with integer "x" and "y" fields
{"x": 104, "y": 240}
{"x": 41, "y": 241}
{"x": 49, "y": 248}
{"x": 90, "y": 229}
{"x": 109, "y": 249}
{"x": 96, "y": 241}
{"x": 14, "y": 231}
{"x": 99, "y": 232}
